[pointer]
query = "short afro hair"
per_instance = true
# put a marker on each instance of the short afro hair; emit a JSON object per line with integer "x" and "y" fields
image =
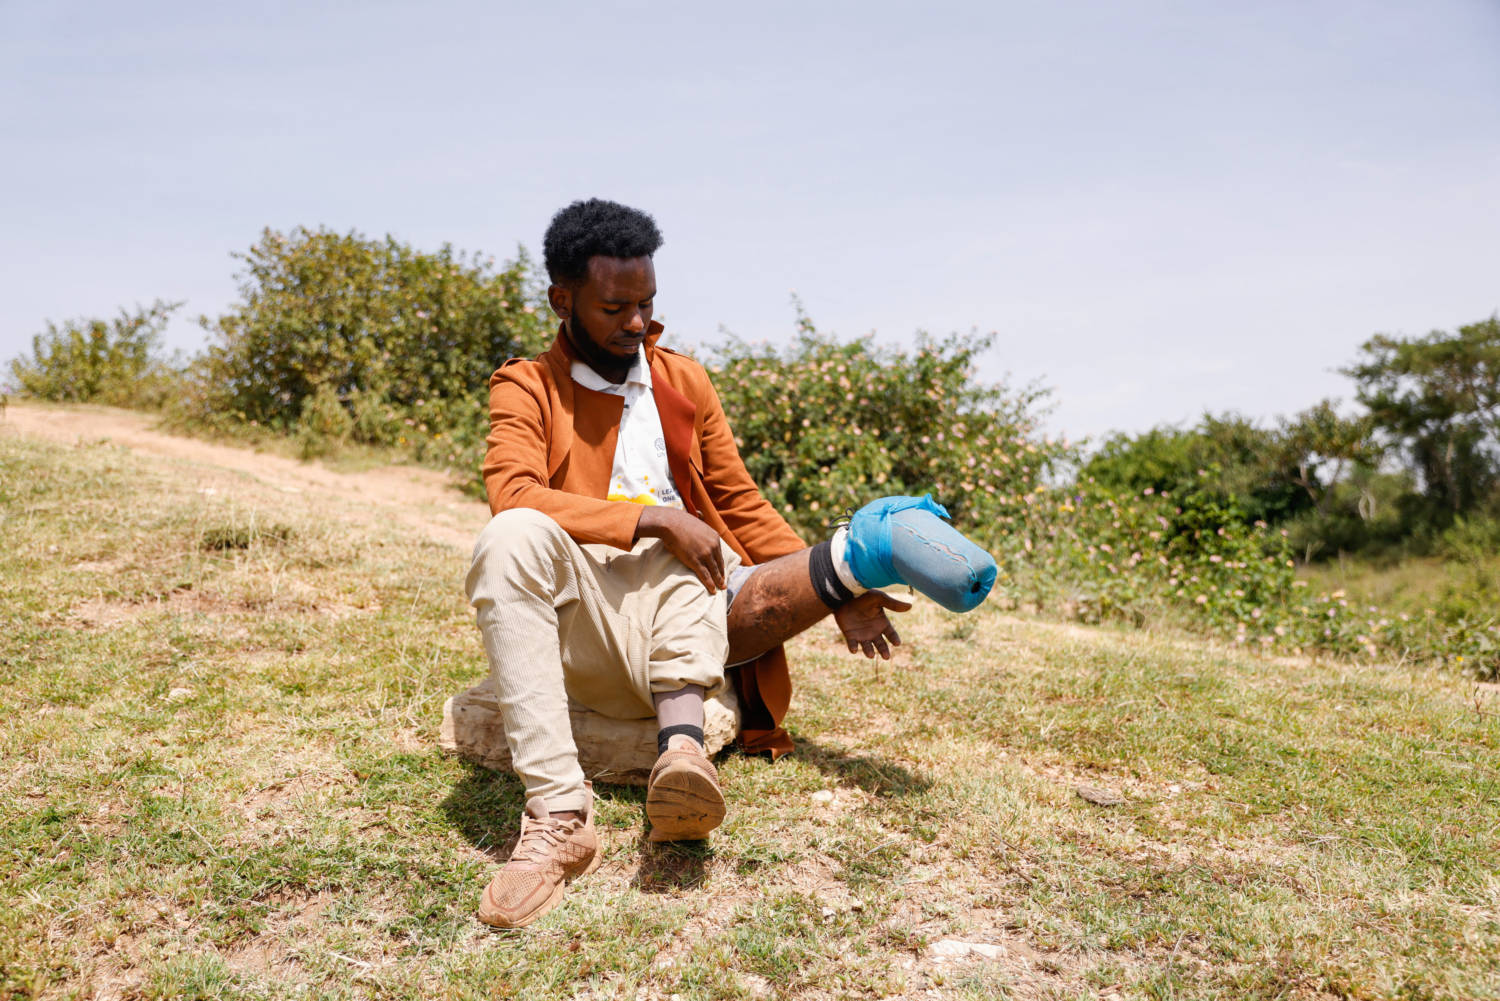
{"x": 595, "y": 228}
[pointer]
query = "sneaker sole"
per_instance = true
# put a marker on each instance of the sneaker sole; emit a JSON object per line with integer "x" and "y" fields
{"x": 683, "y": 805}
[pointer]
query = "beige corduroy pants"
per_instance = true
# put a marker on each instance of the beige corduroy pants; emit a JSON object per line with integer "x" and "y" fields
{"x": 589, "y": 623}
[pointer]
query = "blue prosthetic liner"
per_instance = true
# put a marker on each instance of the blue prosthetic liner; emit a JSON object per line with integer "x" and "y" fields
{"x": 902, "y": 540}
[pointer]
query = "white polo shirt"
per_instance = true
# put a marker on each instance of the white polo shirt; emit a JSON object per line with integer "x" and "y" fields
{"x": 641, "y": 474}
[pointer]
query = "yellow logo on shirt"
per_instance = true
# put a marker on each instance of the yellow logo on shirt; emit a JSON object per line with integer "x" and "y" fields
{"x": 647, "y": 499}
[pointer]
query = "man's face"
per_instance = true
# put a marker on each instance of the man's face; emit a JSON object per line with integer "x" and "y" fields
{"x": 608, "y": 314}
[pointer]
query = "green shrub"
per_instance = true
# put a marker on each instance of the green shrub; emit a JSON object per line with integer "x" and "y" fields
{"x": 825, "y": 426}
{"x": 324, "y": 425}
{"x": 1189, "y": 562}
{"x": 373, "y": 419}
{"x": 1368, "y": 511}
{"x": 404, "y": 341}
{"x": 1101, "y": 554}
{"x": 114, "y": 362}
{"x": 1228, "y": 456}
{"x": 1473, "y": 540}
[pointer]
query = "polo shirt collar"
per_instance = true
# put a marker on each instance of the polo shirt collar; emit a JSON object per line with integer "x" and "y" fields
{"x": 639, "y": 375}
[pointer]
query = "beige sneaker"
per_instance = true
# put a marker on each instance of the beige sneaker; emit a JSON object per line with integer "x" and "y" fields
{"x": 549, "y": 855}
{"x": 683, "y": 801}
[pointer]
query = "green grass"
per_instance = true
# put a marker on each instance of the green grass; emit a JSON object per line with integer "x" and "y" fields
{"x": 1409, "y": 584}
{"x": 220, "y": 781}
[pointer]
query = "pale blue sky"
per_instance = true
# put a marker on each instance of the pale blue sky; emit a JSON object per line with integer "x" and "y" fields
{"x": 1159, "y": 207}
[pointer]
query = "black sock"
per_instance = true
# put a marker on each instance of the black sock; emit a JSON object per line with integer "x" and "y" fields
{"x": 825, "y": 580}
{"x": 666, "y": 733}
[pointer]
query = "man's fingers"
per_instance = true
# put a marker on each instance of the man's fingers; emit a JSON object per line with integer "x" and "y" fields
{"x": 706, "y": 575}
{"x": 885, "y": 651}
{"x": 892, "y": 635}
{"x": 894, "y": 604}
{"x": 869, "y": 649}
{"x": 714, "y": 560}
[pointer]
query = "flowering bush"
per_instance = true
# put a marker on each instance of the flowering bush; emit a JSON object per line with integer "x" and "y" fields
{"x": 825, "y": 426}
{"x": 1192, "y": 561}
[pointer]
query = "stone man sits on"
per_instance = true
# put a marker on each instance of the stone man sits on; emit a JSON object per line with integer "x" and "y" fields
{"x": 631, "y": 558}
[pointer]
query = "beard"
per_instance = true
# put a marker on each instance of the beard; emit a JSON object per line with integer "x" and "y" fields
{"x": 593, "y": 355}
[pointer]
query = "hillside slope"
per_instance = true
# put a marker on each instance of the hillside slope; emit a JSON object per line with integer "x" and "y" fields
{"x": 421, "y": 499}
{"x": 222, "y": 677}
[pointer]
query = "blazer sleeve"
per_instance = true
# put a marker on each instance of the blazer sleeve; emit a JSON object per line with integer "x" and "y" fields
{"x": 754, "y": 520}
{"x": 515, "y": 472}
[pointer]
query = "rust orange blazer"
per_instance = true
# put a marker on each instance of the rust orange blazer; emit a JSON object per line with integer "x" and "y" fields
{"x": 552, "y": 448}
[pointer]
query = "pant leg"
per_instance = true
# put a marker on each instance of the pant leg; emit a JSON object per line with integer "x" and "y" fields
{"x": 683, "y": 630}
{"x": 689, "y": 626}
{"x": 540, "y": 611}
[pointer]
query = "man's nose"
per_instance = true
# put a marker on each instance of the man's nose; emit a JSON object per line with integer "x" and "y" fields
{"x": 636, "y": 323}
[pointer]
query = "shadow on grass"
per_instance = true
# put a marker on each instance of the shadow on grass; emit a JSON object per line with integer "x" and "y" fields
{"x": 485, "y": 807}
{"x": 871, "y": 773}
{"x": 671, "y": 866}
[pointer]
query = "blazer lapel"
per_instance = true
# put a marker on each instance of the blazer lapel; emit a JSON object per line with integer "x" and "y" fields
{"x": 559, "y": 361}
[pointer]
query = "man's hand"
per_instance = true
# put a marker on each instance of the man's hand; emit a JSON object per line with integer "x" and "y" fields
{"x": 688, "y": 539}
{"x": 864, "y": 625}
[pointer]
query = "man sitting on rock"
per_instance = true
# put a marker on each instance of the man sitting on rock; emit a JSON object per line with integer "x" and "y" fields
{"x": 631, "y": 557}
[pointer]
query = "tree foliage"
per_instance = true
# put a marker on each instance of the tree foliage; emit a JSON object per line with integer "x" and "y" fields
{"x": 1322, "y": 445}
{"x": 1437, "y": 398}
{"x": 100, "y": 361}
{"x": 397, "y": 336}
{"x": 1228, "y": 457}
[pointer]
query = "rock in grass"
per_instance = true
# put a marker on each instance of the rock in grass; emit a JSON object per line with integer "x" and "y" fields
{"x": 620, "y": 751}
{"x": 952, "y": 948}
{"x": 1100, "y": 797}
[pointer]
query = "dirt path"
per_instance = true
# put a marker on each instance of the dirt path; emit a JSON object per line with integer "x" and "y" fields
{"x": 423, "y": 499}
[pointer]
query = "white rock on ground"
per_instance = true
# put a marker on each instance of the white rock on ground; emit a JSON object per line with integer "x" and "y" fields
{"x": 621, "y": 751}
{"x": 952, "y": 948}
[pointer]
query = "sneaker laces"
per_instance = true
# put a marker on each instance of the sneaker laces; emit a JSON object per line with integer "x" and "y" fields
{"x": 541, "y": 837}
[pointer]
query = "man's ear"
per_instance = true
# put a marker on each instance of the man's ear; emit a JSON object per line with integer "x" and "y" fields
{"x": 561, "y": 301}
